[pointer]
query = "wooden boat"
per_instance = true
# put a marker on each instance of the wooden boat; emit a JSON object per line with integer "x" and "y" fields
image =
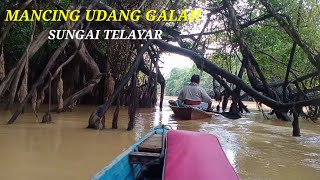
{"x": 189, "y": 113}
{"x": 129, "y": 164}
{"x": 188, "y": 155}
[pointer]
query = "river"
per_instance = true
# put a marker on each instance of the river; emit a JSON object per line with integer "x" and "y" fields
{"x": 259, "y": 149}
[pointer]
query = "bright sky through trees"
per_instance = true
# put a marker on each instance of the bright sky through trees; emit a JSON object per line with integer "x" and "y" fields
{"x": 171, "y": 61}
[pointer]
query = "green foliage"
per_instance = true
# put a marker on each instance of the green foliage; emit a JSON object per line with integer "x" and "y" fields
{"x": 65, "y": 3}
{"x": 180, "y": 77}
{"x": 271, "y": 44}
{"x": 19, "y": 36}
{"x": 18, "y": 39}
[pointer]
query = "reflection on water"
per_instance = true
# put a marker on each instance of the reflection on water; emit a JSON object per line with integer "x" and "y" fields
{"x": 257, "y": 148}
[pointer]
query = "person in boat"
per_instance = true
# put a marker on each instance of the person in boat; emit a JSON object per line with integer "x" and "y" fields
{"x": 193, "y": 95}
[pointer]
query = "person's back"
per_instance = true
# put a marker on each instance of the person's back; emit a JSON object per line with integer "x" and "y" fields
{"x": 194, "y": 95}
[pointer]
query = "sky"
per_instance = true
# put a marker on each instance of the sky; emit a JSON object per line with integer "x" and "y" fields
{"x": 171, "y": 61}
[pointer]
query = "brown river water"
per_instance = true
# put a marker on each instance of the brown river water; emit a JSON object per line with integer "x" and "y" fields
{"x": 259, "y": 149}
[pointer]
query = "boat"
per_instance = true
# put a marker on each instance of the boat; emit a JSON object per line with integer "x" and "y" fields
{"x": 171, "y": 155}
{"x": 189, "y": 113}
{"x": 129, "y": 165}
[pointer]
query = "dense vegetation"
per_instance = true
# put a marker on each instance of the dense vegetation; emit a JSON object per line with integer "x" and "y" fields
{"x": 267, "y": 49}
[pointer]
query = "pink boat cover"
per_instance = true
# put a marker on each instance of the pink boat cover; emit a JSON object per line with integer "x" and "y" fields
{"x": 194, "y": 155}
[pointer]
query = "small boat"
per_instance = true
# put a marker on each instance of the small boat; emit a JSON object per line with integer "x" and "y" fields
{"x": 189, "y": 113}
{"x": 171, "y": 155}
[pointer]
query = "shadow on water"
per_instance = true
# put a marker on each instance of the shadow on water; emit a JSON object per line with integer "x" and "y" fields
{"x": 257, "y": 148}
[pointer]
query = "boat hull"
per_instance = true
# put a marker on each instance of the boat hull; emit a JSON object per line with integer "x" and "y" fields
{"x": 120, "y": 167}
{"x": 188, "y": 113}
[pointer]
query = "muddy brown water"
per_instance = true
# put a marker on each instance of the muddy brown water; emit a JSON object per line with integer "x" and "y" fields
{"x": 259, "y": 149}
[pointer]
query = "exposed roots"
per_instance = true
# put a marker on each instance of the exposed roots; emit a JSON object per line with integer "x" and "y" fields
{"x": 47, "y": 118}
{"x": 23, "y": 91}
{"x": 2, "y": 67}
{"x": 60, "y": 94}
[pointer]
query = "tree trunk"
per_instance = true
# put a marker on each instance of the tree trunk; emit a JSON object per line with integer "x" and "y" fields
{"x": 116, "y": 115}
{"x": 225, "y": 101}
{"x": 133, "y": 103}
{"x": 286, "y": 79}
{"x": 60, "y": 93}
{"x": 47, "y": 117}
{"x": 243, "y": 107}
{"x": 163, "y": 86}
{"x": 235, "y": 105}
{"x": 295, "y": 123}
{"x": 159, "y": 78}
{"x": 293, "y": 49}
{"x": 155, "y": 86}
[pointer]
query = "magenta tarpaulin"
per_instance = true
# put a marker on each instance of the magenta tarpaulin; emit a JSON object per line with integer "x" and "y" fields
{"x": 194, "y": 155}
